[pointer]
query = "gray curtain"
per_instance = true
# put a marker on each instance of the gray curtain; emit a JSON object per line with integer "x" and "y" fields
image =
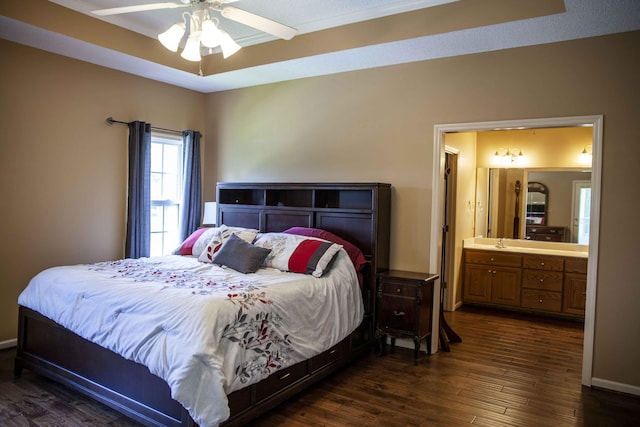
{"x": 139, "y": 198}
{"x": 190, "y": 212}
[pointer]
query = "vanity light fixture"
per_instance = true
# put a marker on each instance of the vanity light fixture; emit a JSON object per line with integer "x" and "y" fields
{"x": 203, "y": 30}
{"x": 508, "y": 157}
{"x": 586, "y": 156}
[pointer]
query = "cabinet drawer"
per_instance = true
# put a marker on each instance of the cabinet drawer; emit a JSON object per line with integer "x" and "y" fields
{"x": 328, "y": 357}
{"x": 493, "y": 258}
{"x": 541, "y": 300}
{"x": 280, "y": 380}
{"x": 546, "y": 237}
{"x": 542, "y": 280}
{"x": 531, "y": 229}
{"x": 575, "y": 265}
{"x": 396, "y": 288}
{"x": 542, "y": 263}
{"x": 397, "y": 314}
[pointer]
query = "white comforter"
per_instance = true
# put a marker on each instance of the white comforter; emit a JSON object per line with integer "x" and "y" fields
{"x": 207, "y": 331}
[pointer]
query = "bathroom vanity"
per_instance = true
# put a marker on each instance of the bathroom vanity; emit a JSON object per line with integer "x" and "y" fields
{"x": 537, "y": 277}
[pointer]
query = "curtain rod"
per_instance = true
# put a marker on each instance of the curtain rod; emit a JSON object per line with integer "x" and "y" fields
{"x": 110, "y": 121}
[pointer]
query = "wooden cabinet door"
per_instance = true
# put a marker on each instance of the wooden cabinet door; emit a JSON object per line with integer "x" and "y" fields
{"x": 477, "y": 283}
{"x": 505, "y": 286}
{"x": 575, "y": 293}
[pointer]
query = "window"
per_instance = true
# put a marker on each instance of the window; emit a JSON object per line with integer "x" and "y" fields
{"x": 166, "y": 193}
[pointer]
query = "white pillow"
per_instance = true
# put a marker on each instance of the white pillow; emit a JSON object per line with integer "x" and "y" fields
{"x": 298, "y": 254}
{"x": 217, "y": 240}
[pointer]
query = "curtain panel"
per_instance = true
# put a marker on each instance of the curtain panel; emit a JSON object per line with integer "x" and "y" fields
{"x": 137, "y": 243}
{"x": 190, "y": 212}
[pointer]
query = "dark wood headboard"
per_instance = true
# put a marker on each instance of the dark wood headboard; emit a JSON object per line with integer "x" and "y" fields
{"x": 358, "y": 212}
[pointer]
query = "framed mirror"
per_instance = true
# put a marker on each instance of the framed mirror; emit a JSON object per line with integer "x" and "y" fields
{"x": 549, "y": 198}
{"x": 537, "y": 204}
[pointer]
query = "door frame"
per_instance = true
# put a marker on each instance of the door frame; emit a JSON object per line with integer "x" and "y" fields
{"x": 596, "y": 122}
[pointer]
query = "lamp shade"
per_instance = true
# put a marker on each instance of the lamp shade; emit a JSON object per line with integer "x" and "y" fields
{"x": 228, "y": 46}
{"x": 210, "y": 216}
{"x": 210, "y": 36}
{"x": 191, "y": 51}
{"x": 171, "y": 38}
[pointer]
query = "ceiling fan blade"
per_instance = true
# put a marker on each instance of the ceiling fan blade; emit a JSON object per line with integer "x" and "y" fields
{"x": 138, "y": 8}
{"x": 263, "y": 24}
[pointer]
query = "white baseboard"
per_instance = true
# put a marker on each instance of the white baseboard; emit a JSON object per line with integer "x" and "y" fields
{"x": 8, "y": 344}
{"x": 615, "y": 386}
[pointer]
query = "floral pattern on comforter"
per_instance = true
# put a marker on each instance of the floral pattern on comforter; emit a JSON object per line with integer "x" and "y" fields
{"x": 258, "y": 335}
{"x": 207, "y": 331}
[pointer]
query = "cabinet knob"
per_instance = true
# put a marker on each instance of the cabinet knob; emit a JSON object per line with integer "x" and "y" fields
{"x": 494, "y": 272}
{"x": 540, "y": 300}
{"x": 542, "y": 263}
{"x": 541, "y": 280}
{"x": 491, "y": 259}
{"x": 398, "y": 290}
{"x": 399, "y": 313}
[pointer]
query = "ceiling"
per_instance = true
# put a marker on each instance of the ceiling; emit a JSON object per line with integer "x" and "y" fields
{"x": 333, "y": 35}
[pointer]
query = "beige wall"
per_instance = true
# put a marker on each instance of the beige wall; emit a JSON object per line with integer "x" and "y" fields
{"x": 541, "y": 148}
{"x": 64, "y": 193}
{"x": 63, "y": 171}
{"x": 377, "y": 125}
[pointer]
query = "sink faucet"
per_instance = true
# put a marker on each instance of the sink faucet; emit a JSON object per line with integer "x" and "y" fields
{"x": 500, "y": 244}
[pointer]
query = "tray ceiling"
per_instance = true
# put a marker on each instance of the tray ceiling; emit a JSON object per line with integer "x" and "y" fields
{"x": 334, "y": 35}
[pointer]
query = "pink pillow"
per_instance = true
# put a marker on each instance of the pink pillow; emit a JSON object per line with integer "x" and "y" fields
{"x": 186, "y": 248}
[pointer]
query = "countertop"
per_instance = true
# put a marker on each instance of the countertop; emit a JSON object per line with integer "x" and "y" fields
{"x": 528, "y": 247}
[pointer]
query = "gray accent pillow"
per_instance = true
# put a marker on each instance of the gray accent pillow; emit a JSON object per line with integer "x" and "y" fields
{"x": 241, "y": 256}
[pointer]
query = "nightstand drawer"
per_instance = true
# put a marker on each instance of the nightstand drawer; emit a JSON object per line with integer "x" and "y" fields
{"x": 542, "y": 280}
{"x": 397, "y": 313}
{"x": 395, "y": 288}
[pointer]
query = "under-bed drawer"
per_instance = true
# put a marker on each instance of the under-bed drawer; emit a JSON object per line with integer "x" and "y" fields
{"x": 239, "y": 400}
{"x": 280, "y": 380}
{"x": 334, "y": 354}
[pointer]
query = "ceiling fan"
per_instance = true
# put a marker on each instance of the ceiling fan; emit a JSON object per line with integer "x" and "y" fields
{"x": 202, "y": 28}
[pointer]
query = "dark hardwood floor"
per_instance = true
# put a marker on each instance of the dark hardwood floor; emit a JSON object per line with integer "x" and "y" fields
{"x": 510, "y": 370}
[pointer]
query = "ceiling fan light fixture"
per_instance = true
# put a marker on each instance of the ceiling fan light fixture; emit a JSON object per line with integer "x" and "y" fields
{"x": 171, "y": 38}
{"x": 210, "y": 36}
{"x": 227, "y": 44}
{"x": 191, "y": 51}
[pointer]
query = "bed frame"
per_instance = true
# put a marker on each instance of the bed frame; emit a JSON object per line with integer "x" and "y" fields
{"x": 358, "y": 212}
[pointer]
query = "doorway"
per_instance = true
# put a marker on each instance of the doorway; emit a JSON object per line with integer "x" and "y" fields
{"x": 596, "y": 123}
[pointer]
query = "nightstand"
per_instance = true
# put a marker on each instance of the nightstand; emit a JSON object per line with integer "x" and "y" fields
{"x": 405, "y": 307}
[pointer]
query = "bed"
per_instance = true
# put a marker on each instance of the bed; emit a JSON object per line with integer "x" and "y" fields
{"x": 354, "y": 213}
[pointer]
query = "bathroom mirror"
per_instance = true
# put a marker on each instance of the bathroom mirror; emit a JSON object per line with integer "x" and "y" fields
{"x": 551, "y": 200}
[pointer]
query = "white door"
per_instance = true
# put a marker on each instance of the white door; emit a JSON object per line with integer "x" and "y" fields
{"x": 581, "y": 212}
